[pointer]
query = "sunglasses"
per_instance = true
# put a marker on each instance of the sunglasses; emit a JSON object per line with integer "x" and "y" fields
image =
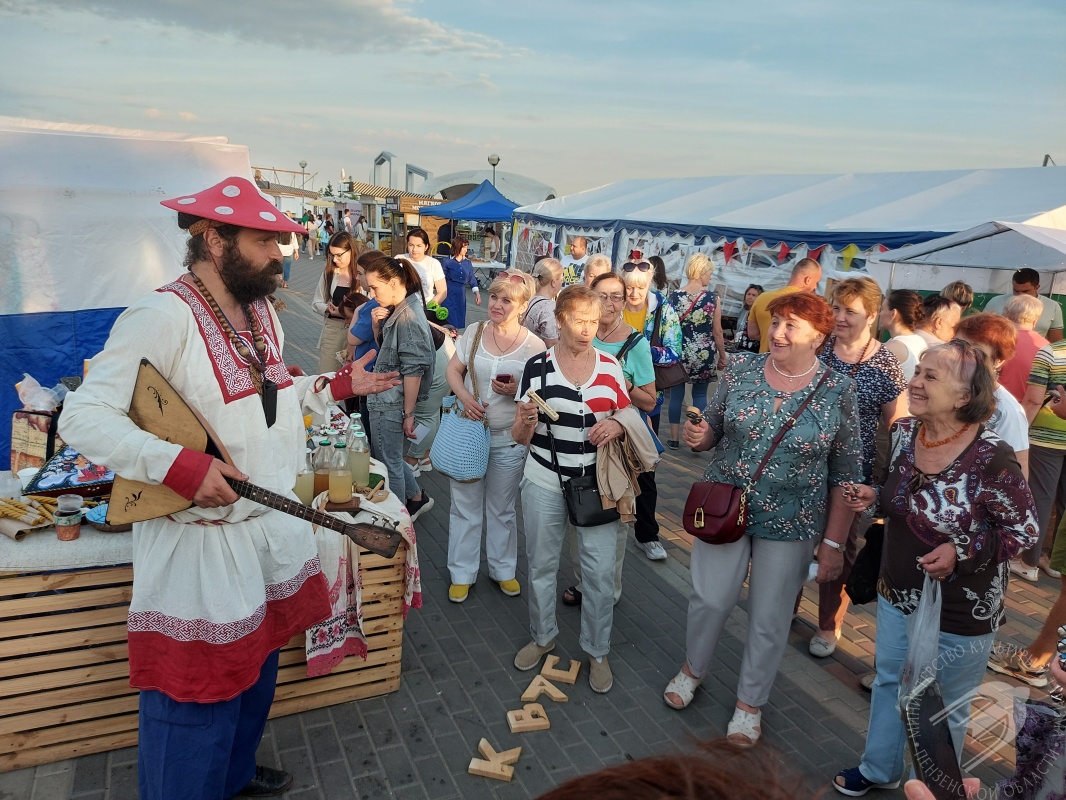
{"x": 629, "y": 266}
{"x": 513, "y": 277}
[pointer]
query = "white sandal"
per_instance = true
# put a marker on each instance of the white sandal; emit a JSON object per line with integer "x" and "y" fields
{"x": 684, "y": 686}
{"x": 744, "y": 729}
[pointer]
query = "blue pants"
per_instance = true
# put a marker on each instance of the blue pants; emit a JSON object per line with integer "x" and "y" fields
{"x": 677, "y": 399}
{"x": 202, "y": 751}
{"x": 960, "y": 669}
{"x": 286, "y": 267}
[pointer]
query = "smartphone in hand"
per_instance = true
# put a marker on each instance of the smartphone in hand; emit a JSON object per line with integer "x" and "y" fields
{"x": 504, "y": 377}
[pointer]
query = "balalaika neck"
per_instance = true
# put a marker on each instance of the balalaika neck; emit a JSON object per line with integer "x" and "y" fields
{"x": 289, "y": 506}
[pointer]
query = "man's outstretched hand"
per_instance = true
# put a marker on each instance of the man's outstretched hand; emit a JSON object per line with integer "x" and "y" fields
{"x": 364, "y": 383}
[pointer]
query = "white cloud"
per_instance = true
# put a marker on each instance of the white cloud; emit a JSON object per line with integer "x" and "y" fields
{"x": 356, "y": 25}
{"x": 153, "y": 113}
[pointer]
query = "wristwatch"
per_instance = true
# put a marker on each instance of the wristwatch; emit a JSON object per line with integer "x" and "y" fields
{"x": 834, "y": 545}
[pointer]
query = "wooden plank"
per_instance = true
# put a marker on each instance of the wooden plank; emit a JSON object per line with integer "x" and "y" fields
{"x": 50, "y": 603}
{"x": 66, "y": 659}
{"x": 44, "y": 685}
{"x": 32, "y": 757}
{"x": 64, "y": 622}
{"x": 384, "y": 591}
{"x": 376, "y": 576}
{"x": 63, "y": 724}
{"x": 45, "y": 643}
{"x": 361, "y": 692}
{"x": 13, "y": 583}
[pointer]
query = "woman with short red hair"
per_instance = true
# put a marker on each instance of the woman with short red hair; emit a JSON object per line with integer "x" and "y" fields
{"x": 795, "y": 509}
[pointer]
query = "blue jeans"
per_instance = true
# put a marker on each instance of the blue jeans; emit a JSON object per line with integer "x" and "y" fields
{"x": 960, "y": 669}
{"x": 286, "y": 267}
{"x": 677, "y": 399}
{"x": 387, "y": 443}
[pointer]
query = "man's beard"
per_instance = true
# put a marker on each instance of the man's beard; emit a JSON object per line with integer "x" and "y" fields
{"x": 246, "y": 282}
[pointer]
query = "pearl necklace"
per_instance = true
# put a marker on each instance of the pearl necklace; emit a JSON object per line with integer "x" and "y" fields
{"x": 784, "y": 374}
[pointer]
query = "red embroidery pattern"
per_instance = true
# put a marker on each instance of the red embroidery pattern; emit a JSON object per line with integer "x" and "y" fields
{"x": 231, "y": 371}
{"x": 202, "y": 630}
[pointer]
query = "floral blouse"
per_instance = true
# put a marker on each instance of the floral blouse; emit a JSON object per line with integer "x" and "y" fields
{"x": 790, "y": 500}
{"x": 878, "y": 380}
{"x": 698, "y": 353}
{"x": 980, "y": 503}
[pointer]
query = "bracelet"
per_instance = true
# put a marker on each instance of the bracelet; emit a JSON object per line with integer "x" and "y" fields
{"x": 835, "y": 545}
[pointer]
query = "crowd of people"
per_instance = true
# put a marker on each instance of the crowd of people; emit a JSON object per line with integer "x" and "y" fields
{"x": 823, "y": 426}
{"x": 876, "y": 410}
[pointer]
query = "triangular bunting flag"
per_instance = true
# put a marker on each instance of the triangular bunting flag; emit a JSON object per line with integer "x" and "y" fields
{"x": 816, "y": 253}
{"x": 782, "y": 254}
{"x": 727, "y": 251}
{"x": 849, "y": 254}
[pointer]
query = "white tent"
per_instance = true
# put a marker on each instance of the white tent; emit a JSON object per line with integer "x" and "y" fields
{"x": 82, "y": 235}
{"x": 755, "y": 227}
{"x": 984, "y": 256}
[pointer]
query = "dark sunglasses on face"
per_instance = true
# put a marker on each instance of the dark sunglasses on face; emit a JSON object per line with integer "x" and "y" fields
{"x": 629, "y": 266}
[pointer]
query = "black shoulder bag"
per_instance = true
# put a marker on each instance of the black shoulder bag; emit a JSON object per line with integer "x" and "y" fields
{"x": 582, "y": 494}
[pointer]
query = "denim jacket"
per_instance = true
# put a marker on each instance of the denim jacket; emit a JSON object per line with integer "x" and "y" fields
{"x": 406, "y": 347}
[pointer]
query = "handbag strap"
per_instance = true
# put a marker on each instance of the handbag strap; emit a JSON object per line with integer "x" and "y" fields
{"x": 692, "y": 306}
{"x": 547, "y": 421}
{"x": 473, "y": 355}
{"x": 655, "y": 340}
{"x": 628, "y": 345}
{"x": 786, "y": 428}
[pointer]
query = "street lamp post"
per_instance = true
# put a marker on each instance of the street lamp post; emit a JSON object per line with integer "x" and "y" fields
{"x": 303, "y": 180}
{"x": 494, "y": 160}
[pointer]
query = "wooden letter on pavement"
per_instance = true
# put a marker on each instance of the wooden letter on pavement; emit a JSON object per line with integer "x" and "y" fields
{"x": 494, "y": 765}
{"x": 530, "y": 717}
{"x": 539, "y": 686}
{"x": 552, "y": 674}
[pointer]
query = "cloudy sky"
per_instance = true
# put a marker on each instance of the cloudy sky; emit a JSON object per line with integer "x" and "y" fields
{"x": 575, "y": 94}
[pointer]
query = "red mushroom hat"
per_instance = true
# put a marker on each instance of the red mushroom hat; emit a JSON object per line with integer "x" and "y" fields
{"x": 235, "y": 201}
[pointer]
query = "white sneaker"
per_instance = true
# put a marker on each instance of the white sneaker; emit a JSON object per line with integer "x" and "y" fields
{"x": 653, "y": 550}
{"x": 1022, "y": 570}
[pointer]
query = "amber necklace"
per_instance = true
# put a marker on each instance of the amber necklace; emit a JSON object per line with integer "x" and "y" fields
{"x": 266, "y": 388}
{"x": 928, "y": 444}
{"x": 862, "y": 357}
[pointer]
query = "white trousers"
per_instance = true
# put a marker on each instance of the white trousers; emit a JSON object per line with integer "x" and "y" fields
{"x": 544, "y": 519}
{"x": 491, "y": 500}
{"x": 778, "y": 570}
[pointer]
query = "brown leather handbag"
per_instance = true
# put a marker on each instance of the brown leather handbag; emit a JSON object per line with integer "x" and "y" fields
{"x": 716, "y": 512}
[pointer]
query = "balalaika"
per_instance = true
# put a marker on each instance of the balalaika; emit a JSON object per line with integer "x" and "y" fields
{"x": 159, "y": 409}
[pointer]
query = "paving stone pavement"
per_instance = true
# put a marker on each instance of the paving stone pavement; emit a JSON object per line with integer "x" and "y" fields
{"x": 458, "y": 680}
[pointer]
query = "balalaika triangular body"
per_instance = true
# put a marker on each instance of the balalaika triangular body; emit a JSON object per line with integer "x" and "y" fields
{"x": 158, "y": 409}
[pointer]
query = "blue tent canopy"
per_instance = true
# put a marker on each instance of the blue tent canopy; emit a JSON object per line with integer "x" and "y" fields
{"x": 484, "y": 204}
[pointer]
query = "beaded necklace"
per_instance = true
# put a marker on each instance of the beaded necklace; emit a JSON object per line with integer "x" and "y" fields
{"x": 940, "y": 442}
{"x": 266, "y": 388}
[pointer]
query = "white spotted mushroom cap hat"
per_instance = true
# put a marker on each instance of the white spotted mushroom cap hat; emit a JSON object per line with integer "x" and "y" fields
{"x": 235, "y": 201}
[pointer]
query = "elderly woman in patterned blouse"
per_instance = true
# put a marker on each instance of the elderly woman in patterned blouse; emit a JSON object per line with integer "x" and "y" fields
{"x": 956, "y": 504}
{"x": 796, "y": 508}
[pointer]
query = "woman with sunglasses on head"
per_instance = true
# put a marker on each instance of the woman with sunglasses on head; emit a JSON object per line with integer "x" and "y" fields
{"x": 338, "y": 278}
{"x": 540, "y": 314}
{"x": 957, "y": 507}
{"x": 631, "y": 350}
{"x": 434, "y": 286}
{"x": 405, "y": 345}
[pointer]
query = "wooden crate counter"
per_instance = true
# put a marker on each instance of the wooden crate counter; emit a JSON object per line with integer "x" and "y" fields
{"x": 64, "y": 670}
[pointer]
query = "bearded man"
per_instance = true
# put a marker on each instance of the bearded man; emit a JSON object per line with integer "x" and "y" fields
{"x": 219, "y": 588}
